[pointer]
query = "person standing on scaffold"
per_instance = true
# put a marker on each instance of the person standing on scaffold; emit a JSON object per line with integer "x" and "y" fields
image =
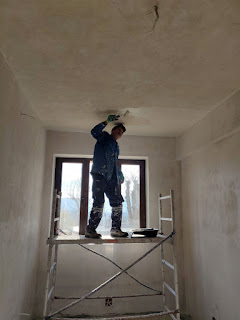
{"x": 107, "y": 178}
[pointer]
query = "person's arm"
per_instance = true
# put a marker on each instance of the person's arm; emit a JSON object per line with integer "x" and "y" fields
{"x": 97, "y": 130}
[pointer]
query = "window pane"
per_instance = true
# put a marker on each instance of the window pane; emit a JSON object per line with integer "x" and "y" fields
{"x": 71, "y": 197}
{"x": 131, "y": 195}
{"x": 131, "y": 204}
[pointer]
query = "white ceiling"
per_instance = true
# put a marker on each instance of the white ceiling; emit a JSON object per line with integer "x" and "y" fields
{"x": 79, "y": 60}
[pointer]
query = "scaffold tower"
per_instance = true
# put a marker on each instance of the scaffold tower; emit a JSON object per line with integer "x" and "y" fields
{"x": 161, "y": 240}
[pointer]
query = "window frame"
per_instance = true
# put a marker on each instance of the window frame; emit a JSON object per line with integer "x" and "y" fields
{"x": 85, "y": 186}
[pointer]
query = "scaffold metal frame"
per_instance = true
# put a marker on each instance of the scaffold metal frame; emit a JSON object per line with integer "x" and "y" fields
{"x": 172, "y": 267}
{"x": 55, "y": 240}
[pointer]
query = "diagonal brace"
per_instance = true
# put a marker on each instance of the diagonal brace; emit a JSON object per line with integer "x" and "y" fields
{"x": 115, "y": 264}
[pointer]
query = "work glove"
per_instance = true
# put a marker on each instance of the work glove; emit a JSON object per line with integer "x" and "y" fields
{"x": 121, "y": 177}
{"x": 111, "y": 118}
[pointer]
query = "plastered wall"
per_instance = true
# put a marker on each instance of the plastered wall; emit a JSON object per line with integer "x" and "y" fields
{"x": 210, "y": 166}
{"x": 80, "y": 271}
{"x": 22, "y": 145}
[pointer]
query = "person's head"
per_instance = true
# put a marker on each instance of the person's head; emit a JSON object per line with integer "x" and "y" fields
{"x": 118, "y": 131}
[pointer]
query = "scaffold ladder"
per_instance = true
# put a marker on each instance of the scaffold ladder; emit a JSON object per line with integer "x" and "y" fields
{"x": 172, "y": 267}
{"x": 52, "y": 265}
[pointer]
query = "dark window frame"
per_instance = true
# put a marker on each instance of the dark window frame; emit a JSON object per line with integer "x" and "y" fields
{"x": 85, "y": 186}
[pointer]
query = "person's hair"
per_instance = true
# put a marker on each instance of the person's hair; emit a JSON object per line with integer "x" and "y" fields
{"x": 120, "y": 125}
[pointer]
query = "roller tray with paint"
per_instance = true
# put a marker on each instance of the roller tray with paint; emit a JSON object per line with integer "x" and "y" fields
{"x": 144, "y": 232}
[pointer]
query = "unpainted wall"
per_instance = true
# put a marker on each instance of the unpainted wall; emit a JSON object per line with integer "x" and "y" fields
{"x": 80, "y": 271}
{"x": 210, "y": 166}
{"x": 22, "y": 145}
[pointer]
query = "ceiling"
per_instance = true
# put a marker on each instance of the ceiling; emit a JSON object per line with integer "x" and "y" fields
{"x": 79, "y": 60}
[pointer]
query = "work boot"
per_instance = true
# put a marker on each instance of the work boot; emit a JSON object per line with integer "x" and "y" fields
{"x": 118, "y": 233}
{"x": 91, "y": 233}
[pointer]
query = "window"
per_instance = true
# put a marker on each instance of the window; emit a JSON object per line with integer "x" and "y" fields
{"x": 73, "y": 179}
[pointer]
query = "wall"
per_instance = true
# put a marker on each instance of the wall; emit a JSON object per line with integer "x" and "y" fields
{"x": 22, "y": 144}
{"x": 210, "y": 166}
{"x": 80, "y": 271}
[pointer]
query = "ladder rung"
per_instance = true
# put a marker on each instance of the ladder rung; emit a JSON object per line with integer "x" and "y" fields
{"x": 52, "y": 267}
{"x": 161, "y": 236}
{"x": 171, "y": 315}
{"x": 56, "y": 219}
{"x": 168, "y": 264}
{"x": 166, "y": 219}
{"x": 169, "y": 288}
{"x": 50, "y": 293}
{"x": 58, "y": 196}
{"x": 165, "y": 197}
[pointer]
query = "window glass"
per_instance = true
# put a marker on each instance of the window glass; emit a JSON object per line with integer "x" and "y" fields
{"x": 71, "y": 198}
{"x": 131, "y": 195}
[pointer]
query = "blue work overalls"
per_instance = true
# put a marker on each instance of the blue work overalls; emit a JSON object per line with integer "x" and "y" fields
{"x": 106, "y": 178}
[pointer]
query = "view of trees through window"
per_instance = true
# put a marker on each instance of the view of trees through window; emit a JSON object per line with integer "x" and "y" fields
{"x": 71, "y": 197}
{"x": 71, "y": 187}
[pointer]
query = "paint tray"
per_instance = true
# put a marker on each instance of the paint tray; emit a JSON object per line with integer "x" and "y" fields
{"x": 144, "y": 232}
